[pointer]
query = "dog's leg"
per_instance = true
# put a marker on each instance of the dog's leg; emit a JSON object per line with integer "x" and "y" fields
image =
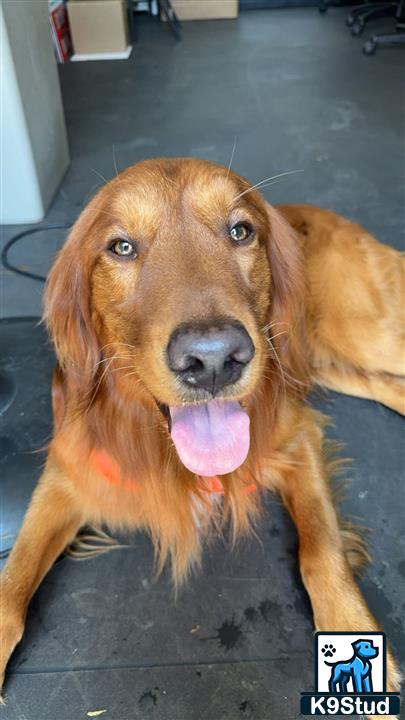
{"x": 357, "y": 683}
{"x": 337, "y": 602}
{"x": 384, "y": 388}
{"x": 333, "y": 682}
{"x": 50, "y": 523}
{"x": 367, "y": 684}
{"x": 343, "y": 683}
{"x": 354, "y": 309}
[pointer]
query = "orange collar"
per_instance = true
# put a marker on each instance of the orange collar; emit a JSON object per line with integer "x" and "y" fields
{"x": 108, "y": 468}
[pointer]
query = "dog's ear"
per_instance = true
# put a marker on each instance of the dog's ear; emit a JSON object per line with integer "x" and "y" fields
{"x": 287, "y": 298}
{"x": 356, "y": 645}
{"x": 67, "y": 306}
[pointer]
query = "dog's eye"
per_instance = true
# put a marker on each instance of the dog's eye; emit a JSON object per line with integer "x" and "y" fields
{"x": 123, "y": 248}
{"x": 241, "y": 233}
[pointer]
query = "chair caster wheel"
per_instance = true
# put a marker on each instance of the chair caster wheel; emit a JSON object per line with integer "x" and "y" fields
{"x": 350, "y": 20}
{"x": 322, "y": 8}
{"x": 357, "y": 29}
{"x": 369, "y": 47}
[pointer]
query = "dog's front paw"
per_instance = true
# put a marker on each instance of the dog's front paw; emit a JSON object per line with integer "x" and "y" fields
{"x": 11, "y": 632}
{"x": 393, "y": 682}
{"x": 393, "y": 674}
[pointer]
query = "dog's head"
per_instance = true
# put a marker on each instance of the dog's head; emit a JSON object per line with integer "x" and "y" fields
{"x": 182, "y": 285}
{"x": 365, "y": 649}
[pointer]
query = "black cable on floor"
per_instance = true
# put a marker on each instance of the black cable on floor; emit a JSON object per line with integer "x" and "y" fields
{"x": 25, "y": 233}
{"x": 4, "y": 553}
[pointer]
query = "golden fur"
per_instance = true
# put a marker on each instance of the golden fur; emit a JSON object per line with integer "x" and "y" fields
{"x": 322, "y": 301}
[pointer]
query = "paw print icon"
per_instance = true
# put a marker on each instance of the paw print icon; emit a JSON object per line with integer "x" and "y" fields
{"x": 328, "y": 650}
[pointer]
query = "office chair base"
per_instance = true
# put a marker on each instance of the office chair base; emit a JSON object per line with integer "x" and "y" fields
{"x": 324, "y": 5}
{"x": 370, "y": 47}
{"x": 373, "y": 13}
{"x": 359, "y": 10}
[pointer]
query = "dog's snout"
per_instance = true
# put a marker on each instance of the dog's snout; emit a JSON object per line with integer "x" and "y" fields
{"x": 210, "y": 357}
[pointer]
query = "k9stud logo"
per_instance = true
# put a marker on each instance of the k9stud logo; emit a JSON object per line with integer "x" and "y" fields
{"x": 350, "y": 676}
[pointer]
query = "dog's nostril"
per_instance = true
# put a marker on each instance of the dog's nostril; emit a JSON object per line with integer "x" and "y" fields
{"x": 189, "y": 363}
{"x": 191, "y": 371}
{"x": 233, "y": 364}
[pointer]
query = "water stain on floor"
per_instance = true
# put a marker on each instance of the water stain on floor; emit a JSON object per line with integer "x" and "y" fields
{"x": 246, "y": 710}
{"x": 148, "y": 700}
{"x": 229, "y": 635}
{"x": 251, "y": 614}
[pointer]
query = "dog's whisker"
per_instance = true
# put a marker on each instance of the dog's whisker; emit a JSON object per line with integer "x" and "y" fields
{"x": 114, "y": 160}
{"x": 235, "y": 142}
{"x": 134, "y": 372}
{"x": 267, "y": 327}
{"x": 124, "y": 367}
{"x": 290, "y": 380}
{"x": 283, "y": 332}
{"x": 265, "y": 185}
{"x": 99, "y": 175}
{"x": 266, "y": 182}
{"x": 280, "y": 367}
{"x": 119, "y": 343}
{"x": 99, "y": 384}
{"x": 274, "y": 182}
{"x": 112, "y": 357}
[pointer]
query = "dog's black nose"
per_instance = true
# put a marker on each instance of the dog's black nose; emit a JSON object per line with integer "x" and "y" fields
{"x": 211, "y": 356}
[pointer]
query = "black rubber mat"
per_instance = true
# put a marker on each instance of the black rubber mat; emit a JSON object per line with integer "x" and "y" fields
{"x": 26, "y": 365}
{"x": 237, "y": 641}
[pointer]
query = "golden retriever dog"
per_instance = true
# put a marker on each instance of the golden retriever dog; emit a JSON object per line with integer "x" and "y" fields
{"x": 190, "y": 319}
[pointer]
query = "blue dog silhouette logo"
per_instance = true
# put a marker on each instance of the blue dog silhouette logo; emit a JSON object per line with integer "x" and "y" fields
{"x": 358, "y": 668}
{"x": 350, "y": 676}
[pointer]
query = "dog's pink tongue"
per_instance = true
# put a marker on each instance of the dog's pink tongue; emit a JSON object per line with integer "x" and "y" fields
{"x": 211, "y": 438}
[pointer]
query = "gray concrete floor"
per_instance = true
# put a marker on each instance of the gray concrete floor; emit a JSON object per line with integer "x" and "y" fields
{"x": 295, "y": 90}
{"x": 291, "y": 85}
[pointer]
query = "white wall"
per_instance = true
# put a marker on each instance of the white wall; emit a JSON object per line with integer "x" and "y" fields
{"x": 34, "y": 152}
